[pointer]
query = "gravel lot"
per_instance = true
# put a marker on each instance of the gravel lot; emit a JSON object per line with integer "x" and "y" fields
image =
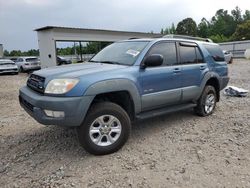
{"x": 176, "y": 150}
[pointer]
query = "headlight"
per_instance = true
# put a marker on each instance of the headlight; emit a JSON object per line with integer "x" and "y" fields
{"x": 60, "y": 86}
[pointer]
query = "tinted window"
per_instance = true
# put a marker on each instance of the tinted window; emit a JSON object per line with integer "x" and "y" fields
{"x": 215, "y": 52}
{"x": 190, "y": 54}
{"x": 167, "y": 50}
{"x": 31, "y": 59}
{"x": 198, "y": 55}
{"x": 187, "y": 55}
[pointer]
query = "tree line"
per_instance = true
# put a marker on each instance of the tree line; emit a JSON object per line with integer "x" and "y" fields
{"x": 90, "y": 48}
{"x": 222, "y": 27}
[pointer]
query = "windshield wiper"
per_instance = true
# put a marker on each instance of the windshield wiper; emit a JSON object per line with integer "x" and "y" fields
{"x": 110, "y": 62}
{"x": 94, "y": 61}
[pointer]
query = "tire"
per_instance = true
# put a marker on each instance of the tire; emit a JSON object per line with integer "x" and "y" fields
{"x": 203, "y": 108}
{"x": 21, "y": 69}
{"x": 97, "y": 130}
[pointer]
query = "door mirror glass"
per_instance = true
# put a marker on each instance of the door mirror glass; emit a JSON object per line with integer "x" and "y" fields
{"x": 153, "y": 60}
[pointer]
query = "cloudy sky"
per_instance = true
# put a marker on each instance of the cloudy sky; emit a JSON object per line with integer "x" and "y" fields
{"x": 18, "y": 18}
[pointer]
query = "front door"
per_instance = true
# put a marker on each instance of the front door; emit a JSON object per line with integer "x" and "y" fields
{"x": 161, "y": 85}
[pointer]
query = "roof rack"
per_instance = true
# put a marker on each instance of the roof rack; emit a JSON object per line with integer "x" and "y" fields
{"x": 188, "y": 37}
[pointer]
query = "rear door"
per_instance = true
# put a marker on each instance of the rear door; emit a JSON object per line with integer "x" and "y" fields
{"x": 193, "y": 70}
{"x": 19, "y": 62}
{"x": 161, "y": 85}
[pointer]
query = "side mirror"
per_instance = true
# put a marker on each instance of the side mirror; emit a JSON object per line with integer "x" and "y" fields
{"x": 153, "y": 61}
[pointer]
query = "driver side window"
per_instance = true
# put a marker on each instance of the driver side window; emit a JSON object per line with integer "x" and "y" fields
{"x": 167, "y": 50}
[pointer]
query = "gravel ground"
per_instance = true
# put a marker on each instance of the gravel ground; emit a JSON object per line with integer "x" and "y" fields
{"x": 176, "y": 150}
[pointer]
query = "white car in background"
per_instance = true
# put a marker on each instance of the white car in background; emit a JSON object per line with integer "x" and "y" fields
{"x": 8, "y": 66}
{"x": 228, "y": 56}
{"x": 26, "y": 64}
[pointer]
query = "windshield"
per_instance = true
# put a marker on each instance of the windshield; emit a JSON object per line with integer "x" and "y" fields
{"x": 124, "y": 53}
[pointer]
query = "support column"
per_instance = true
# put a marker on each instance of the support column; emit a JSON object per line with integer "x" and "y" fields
{"x": 47, "y": 49}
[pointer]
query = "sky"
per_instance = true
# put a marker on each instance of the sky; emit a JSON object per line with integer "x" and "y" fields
{"x": 19, "y": 18}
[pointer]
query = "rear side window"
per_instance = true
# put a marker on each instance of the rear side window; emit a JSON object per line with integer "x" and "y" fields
{"x": 167, "y": 50}
{"x": 198, "y": 55}
{"x": 190, "y": 54}
{"x": 215, "y": 52}
{"x": 31, "y": 59}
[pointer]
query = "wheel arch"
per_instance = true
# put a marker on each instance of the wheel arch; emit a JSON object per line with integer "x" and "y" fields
{"x": 120, "y": 91}
{"x": 212, "y": 79}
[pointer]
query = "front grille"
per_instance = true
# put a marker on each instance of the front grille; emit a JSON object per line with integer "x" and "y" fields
{"x": 26, "y": 104}
{"x": 36, "y": 83}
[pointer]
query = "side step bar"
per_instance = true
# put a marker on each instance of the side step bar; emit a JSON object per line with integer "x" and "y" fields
{"x": 162, "y": 111}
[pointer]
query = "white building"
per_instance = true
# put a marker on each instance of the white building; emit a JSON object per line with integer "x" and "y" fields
{"x": 49, "y": 35}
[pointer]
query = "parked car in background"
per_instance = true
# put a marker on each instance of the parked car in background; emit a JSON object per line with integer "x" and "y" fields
{"x": 63, "y": 61}
{"x": 228, "y": 56}
{"x": 8, "y": 66}
{"x": 26, "y": 64}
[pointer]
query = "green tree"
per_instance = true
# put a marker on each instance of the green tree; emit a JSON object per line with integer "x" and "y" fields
{"x": 162, "y": 31}
{"x": 219, "y": 38}
{"x": 236, "y": 13}
{"x": 6, "y": 53}
{"x": 242, "y": 31}
{"x": 187, "y": 27}
{"x": 16, "y": 53}
{"x": 172, "y": 29}
{"x": 168, "y": 30}
{"x": 204, "y": 28}
{"x": 246, "y": 16}
{"x": 222, "y": 23}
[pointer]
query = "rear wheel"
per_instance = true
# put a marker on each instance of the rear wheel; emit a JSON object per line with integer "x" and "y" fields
{"x": 207, "y": 101}
{"x": 105, "y": 129}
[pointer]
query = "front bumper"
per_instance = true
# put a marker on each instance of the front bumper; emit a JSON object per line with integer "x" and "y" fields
{"x": 9, "y": 70}
{"x": 74, "y": 108}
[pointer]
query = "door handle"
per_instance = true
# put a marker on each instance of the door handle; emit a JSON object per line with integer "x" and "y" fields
{"x": 177, "y": 70}
{"x": 202, "y": 67}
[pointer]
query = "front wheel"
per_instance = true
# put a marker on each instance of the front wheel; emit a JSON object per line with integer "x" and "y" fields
{"x": 207, "y": 101}
{"x": 105, "y": 129}
{"x": 21, "y": 69}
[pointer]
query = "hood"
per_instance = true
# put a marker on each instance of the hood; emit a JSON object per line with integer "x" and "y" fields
{"x": 77, "y": 70}
{"x": 7, "y": 63}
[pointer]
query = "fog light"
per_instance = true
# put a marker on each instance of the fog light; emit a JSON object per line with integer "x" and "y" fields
{"x": 56, "y": 114}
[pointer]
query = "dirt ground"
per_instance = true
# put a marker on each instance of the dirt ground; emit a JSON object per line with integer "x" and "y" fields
{"x": 175, "y": 150}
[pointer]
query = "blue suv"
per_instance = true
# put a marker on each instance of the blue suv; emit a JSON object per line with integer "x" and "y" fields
{"x": 127, "y": 80}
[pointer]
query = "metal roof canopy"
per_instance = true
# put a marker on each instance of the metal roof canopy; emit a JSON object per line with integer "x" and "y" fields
{"x": 47, "y": 37}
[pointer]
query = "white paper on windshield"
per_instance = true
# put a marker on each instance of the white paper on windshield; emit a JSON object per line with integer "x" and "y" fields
{"x": 132, "y": 52}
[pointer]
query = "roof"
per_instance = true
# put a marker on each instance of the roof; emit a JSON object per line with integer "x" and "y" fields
{"x": 96, "y": 30}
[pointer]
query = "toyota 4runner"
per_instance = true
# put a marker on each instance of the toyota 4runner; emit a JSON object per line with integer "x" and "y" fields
{"x": 127, "y": 80}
